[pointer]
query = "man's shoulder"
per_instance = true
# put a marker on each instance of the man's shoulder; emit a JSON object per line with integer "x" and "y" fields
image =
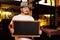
{"x": 29, "y": 16}
{"x": 16, "y": 15}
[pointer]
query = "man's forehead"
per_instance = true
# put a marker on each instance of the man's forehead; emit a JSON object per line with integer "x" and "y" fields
{"x": 25, "y": 7}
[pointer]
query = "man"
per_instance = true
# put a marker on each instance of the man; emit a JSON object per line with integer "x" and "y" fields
{"x": 23, "y": 16}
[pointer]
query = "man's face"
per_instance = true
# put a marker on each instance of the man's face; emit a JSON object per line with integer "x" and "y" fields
{"x": 25, "y": 10}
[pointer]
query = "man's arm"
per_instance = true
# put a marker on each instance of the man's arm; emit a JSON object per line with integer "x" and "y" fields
{"x": 11, "y": 29}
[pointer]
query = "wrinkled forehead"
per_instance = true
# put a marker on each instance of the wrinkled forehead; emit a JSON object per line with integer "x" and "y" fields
{"x": 24, "y": 7}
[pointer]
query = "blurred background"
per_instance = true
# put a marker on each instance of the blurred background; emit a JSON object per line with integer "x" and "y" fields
{"x": 47, "y": 12}
{"x": 40, "y": 9}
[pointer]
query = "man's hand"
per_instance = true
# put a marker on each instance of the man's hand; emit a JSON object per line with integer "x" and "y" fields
{"x": 11, "y": 29}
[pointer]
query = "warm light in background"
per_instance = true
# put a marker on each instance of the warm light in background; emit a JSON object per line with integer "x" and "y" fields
{"x": 6, "y": 15}
{"x": 0, "y": 12}
{"x": 48, "y": 15}
{"x": 52, "y": 15}
{"x": 0, "y": 16}
{"x": 53, "y": 2}
{"x": 42, "y": 22}
{"x": 49, "y": 2}
{"x": 45, "y": 19}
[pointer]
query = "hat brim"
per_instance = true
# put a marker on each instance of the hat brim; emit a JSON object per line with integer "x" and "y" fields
{"x": 23, "y": 6}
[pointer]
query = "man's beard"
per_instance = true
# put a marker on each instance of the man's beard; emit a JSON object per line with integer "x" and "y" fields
{"x": 26, "y": 13}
